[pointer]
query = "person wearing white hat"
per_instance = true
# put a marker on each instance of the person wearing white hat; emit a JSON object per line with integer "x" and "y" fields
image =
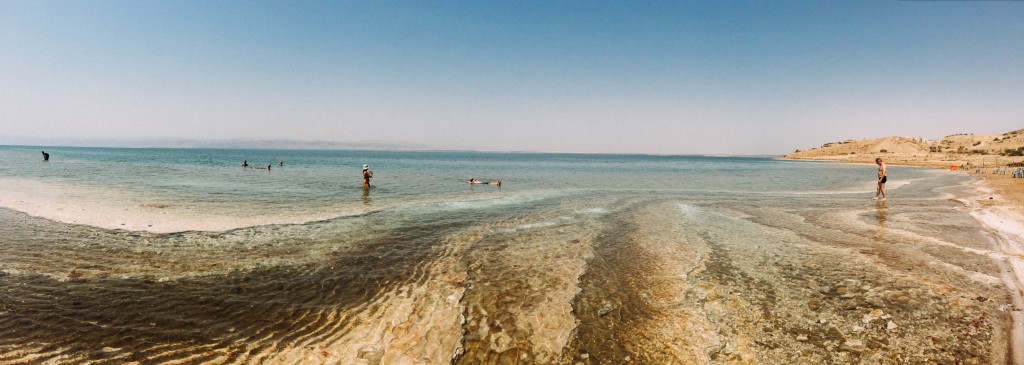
{"x": 367, "y": 174}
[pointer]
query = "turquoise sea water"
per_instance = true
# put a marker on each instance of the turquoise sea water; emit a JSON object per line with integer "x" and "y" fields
{"x": 313, "y": 175}
{"x": 182, "y": 255}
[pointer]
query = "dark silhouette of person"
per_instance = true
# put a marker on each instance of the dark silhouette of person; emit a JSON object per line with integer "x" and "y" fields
{"x": 46, "y": 156}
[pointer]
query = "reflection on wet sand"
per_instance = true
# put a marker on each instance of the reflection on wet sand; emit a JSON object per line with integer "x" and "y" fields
{"x": 881, "y": 214}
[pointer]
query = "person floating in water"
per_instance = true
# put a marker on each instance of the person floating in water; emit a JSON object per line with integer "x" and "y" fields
{"x": 367, "y": 174}
{"x": 474, "y": 181}
{"x": 245, "y": 163}
{"x": 280, "y": 164}
{"x": 883, "y": 175}
{"x": 46, "y": 156}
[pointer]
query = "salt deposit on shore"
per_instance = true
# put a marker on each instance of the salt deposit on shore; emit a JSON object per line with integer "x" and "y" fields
{"x": 1008, "y": 225}
{"x": 110, "y": 209}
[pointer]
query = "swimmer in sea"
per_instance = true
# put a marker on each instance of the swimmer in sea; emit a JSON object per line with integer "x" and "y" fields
{"x": 474, "y": 181}
{"x": 46, "y": 156}
{"x": 245, "y": 163}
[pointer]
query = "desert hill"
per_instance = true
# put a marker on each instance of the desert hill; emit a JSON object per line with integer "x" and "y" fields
{"x": 957, "y": 149}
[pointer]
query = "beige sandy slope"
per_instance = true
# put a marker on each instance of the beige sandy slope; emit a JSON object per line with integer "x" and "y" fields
{"x": 983, "y": 152}
{"x": 987, "y": 150}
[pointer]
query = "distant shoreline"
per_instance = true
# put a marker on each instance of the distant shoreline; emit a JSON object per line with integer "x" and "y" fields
{"x": 1002, "y": 184}
{"x": 890, "y": 160}
{"x": 764, "y": 156}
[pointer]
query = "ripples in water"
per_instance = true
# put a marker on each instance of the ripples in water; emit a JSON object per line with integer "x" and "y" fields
{"x": 592, "y": 278}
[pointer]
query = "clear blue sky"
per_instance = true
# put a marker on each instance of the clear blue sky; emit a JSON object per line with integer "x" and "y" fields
{"x": 725, "y": 77}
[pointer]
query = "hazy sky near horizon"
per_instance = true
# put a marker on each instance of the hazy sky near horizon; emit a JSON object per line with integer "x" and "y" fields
{"x": 675, "y": 77}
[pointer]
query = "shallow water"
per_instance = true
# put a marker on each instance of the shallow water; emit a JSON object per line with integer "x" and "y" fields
{"x": 575, "y": 259}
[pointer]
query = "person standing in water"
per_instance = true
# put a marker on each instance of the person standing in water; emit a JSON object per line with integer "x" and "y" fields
{"x": 367, "y": 174}
{"x": 46, "y": 156}
{"x": 883, "y": 175}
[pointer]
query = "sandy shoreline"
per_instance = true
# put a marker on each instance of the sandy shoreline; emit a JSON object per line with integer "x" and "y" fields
{"x": 998, "y": 204}
{"x": 117, "y": 210}
{"x": 804, "y": 271}
{"x": 1008, "y": 189}
{"x": 111, "y": 209}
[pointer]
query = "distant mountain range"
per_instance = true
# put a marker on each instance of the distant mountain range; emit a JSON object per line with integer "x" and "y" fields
{"x": 214, "y": 143}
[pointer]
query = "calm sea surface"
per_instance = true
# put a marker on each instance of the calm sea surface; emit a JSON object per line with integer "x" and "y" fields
{"x": 183, "y": 256}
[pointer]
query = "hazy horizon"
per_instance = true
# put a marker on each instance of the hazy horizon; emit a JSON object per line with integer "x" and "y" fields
{"x": 288, "y": 144}
{"x": 738, "y": 78}
{"x": 233, "y": 144}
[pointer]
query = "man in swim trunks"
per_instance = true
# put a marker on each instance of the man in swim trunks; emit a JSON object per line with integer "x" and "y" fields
{"x": 882, "y": 177}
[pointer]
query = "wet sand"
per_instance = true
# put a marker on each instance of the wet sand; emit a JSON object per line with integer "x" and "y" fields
{"x": 583, "y": 276}
{"x": 997, "y": 203}
{"x": 1000, "y": 206}
{"x": 641, "y": 279}
{"x": 105, "y": 208}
